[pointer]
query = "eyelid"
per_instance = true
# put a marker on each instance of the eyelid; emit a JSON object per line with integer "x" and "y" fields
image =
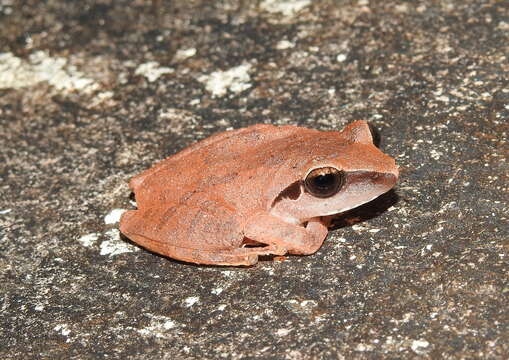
{"x": 321, "y": 166}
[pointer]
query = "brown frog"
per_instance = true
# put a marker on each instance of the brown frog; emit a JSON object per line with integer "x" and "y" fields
{"x": 261, "y": 190}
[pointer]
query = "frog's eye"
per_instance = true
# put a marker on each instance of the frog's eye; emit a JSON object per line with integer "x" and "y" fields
{"x": 324, "y": 182}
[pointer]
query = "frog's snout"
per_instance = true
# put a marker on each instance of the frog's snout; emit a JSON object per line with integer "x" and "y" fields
{"x": 393, "y": 175}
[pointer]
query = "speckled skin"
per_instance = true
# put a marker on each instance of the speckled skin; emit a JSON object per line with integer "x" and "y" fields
{"x": 207, "y": 202}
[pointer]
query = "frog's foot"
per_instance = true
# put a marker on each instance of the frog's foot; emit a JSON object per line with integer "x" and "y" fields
{"x": 297, "y": 239}
{"x": 233, "y": 257}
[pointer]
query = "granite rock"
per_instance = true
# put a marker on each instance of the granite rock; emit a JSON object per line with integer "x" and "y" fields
{"x": 93, "y": 92}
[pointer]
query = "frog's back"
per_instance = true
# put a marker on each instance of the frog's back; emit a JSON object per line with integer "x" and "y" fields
{"x": 213, "y": 159}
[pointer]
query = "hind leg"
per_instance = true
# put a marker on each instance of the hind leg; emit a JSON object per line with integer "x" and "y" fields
{"x": 233, "y": 257}
{"x": 181, "y": 235}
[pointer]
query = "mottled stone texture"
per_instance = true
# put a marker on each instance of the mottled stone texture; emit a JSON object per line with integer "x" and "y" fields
{"x": 112, "y": 86}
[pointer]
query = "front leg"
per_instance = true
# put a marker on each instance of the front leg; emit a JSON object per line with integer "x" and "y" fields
{"x": 296, "y": 239}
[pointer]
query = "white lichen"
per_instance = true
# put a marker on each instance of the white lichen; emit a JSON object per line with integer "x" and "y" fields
{"x": 190, "y": 301}
{"x": 419, "y": 346}
{"x": 17, "y": 73}
{"x": 236, "y": 80}
{"x": 159, "y": 327}
{"x": 89, "y": 239}
{"x": 115, "y": 246}
{"x": 113, "y": 216}
{"x": 152, "y": 70}
{"x": 285, "y": 44}
{"x": 184, "y": 54}
{"x": 288, "y": 8}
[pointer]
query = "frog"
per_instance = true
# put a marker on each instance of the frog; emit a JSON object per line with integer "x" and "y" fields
{"x": 259, "y": 191}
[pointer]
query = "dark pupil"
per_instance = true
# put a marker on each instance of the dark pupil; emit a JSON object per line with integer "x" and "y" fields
{"x": 324, "y": 182}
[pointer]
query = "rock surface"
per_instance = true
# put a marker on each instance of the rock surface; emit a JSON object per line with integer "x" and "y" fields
{"x": 93, "y": 92}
